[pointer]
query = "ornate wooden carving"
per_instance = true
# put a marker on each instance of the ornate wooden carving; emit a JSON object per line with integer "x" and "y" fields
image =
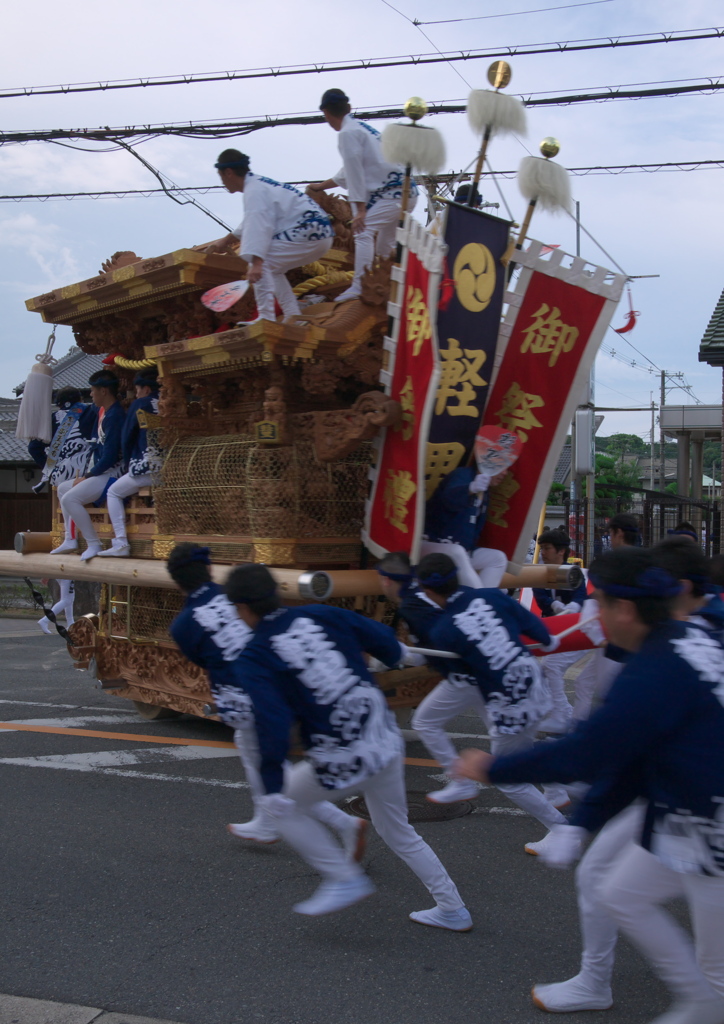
{"x": 120, "y": 259}
{"x": 339, "y": 432}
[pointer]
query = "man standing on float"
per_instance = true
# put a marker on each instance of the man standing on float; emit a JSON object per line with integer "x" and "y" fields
{"x": 282, "y": 229}
{"x": 374, "y": 187}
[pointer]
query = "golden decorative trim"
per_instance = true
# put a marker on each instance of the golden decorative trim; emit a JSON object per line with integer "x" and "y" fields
{"x": 275, "y": 552}
{"x": 124, "y": 273}
{"x": 163, "y": 548}
{"x": 70, "y": 291}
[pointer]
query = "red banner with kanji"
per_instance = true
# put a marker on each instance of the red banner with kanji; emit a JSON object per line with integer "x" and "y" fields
{"x": 396, "y": 509}
{"x": 557, "y": 326}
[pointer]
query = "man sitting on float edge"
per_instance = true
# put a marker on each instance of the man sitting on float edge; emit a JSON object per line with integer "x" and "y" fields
{"x": 282, "y": 230}
{"x": 107, "y": 466}
{"x": 307, "y": 664}
{"x": 142, "y": 459}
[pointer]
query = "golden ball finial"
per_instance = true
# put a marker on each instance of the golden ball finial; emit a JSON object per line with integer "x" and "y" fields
{"x": 550, "y": 147}
{"x": 499, "y": 74}
{"x": 415, "y": 108}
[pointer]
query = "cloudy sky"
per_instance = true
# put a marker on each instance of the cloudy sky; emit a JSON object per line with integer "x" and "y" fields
{"x": 669, "y": 224}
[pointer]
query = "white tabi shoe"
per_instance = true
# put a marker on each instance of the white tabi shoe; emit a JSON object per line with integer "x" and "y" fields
{"x": 116, "y": 551}
{"x": 251, "y": 323}
{"x": 351, "y": 293}
{"x": 90, "y": 552}
{"x": 332, "y": 896}
{"x": 256, "y": 830}
{"x": 536, "y": 849}
{"x": 66, "y": 548}
{"x": 572, "y": 995}
{"x": 44, "y": 624}
{"x": 711, "y": 1011}
{"x": 558, "y": 723}
{"x": 355, "y": 839}
{"x": 455, "y": 791}
{"x": 556, "y": 795}
{"x": 453, "y": 920}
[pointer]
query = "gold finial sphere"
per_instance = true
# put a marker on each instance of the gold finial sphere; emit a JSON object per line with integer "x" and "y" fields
{"x": 499, "y": 74}
{"x": 415, "y": 108}
{"x": 550, "y": 147}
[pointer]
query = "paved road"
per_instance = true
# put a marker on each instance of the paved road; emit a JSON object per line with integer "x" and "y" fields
{"x": 121, "y": 888}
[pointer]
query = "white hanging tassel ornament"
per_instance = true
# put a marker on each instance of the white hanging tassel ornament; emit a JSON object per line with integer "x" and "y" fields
{"x": 542, "y": 183}
{"x": 34, "y": 415}
{"x": 491, "y": 113}
{"x": 413, "y": 146}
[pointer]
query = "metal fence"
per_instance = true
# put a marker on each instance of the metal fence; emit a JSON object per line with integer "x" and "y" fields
{"x": 657, "y": 513}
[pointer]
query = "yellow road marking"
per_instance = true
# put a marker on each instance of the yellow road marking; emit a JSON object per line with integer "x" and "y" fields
{"x": 133, "y": 737}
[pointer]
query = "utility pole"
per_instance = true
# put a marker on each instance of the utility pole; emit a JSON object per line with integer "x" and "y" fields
{"x": 653, "y": 427}
{"x": 665, "y": 375}
{"x": 662, "y": 457}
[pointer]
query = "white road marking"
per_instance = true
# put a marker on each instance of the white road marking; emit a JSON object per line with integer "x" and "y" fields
{"x": 87, "y": 762}
{"x": 72, "y": 723}
{"x": 410, "y": 735}
{"x": 72, "y": 707}
{"x": 107, "y": 762}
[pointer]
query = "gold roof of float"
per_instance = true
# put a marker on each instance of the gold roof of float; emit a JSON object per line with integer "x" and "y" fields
{"x": 135, "y": 283}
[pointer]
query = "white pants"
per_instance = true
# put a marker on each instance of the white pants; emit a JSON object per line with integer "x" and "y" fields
{"x": 525, "y": 794}
{"x": 282, "y": 256}
{"x": 633, "y": 892}
{"x": 246, "y": 743}
{"x": 123, "y": 488}
{"x": 446, "y": 701}
{"x": 386, "y": 800}
{"x": 66, "y": 602}
{"x": 378, "y": 237}
{"x": 599, "y": 931}
{"x": 73, "y": 501}
{"x": 484, "y": 569}
{"x": 554, "y": 667}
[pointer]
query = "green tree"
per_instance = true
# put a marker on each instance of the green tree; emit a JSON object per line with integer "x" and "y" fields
{"x": 555, "y": 495}
{"x": 626, "y": 444}
{"x": 610, "y": 475}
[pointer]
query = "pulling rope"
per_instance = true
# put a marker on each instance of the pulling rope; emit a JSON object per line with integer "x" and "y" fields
{"x": 48, "y": 612}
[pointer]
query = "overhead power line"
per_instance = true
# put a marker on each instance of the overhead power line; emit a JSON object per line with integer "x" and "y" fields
{"x": 511, "y": 14}
{"x": 614, "y": 169}
{"x": 245, "y": 126}
{"x": 371, "y": 63}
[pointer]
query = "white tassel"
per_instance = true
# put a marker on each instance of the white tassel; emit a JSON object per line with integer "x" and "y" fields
{"x": 502, "y": 114}
{"x": 422, "y": 148}
{"x": 35, "y": 406}
{"x": 546, "y": 182}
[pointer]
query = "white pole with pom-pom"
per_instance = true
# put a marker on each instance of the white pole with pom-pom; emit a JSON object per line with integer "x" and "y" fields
{"x": 413, "y": 146}
{"x": 34, "y": 417}
{"x": 543, "y": 183}
{"x": 492, "y": 113}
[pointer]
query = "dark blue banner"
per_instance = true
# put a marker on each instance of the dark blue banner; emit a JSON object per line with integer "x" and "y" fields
{"x": 467, "y": 330}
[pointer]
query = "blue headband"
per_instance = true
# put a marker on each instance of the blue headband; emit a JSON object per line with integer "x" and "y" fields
{"x": 197, "y": 555}
{"x": 653, "y": 582}
{"x": 683, "y": 533}
{"x": 435, "y": 578}
{"x": 398, "y": 577}
{"x": 104, "y": 382}
{"x": 146, "y": 382}
{"x": 233, "y": 163}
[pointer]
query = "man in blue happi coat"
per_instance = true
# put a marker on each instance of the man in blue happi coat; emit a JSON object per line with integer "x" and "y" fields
{"x": 107, "y": 466}
{"x": 484, "y": 628}
{"x": 210, "y": 633}
{"x": 306, "y": 665}
{"x": 142, "y": 457}
{"x": 658, "y": 736}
